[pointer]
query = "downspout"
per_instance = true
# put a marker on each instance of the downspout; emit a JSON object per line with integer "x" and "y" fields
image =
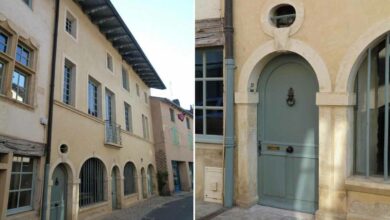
{"x": 50, "y": 119}
{"x": 229, "y": 106}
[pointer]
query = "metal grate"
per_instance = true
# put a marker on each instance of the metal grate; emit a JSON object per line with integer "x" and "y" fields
{"x": 113, "y": 132}
{"x": 130, "y": 179}
{"x": 92, "y": 182}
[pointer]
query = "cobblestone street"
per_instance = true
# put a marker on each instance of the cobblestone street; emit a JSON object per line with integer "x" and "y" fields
{"x": 140, "y": 210}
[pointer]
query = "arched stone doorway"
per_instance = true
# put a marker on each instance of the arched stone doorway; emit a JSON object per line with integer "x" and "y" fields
{"x": 288, "y": 135}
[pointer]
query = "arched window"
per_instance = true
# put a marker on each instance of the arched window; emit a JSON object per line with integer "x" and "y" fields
{"x": 92, "y": 182}
{"x": 150, "y": 174}
{"x": 130, "y": 181}
{"x": 372, "y": 112}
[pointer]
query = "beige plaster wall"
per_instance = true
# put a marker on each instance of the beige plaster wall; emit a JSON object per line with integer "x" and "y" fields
{"x": 36, "y": 25}
{"x": 332, "y": 36}
{"x": 208, "y": 9}
{"x": 22, "y": 121}
{"x": 85, "y": 134}
{"x": 164, "y": 140}
{"x": 206, "y": 155}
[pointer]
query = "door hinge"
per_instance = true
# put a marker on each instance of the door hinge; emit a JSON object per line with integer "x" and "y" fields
{"x": 259, "y": 148}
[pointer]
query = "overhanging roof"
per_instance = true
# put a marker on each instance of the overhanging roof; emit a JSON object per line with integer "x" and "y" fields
{"x": 103, "y": 14}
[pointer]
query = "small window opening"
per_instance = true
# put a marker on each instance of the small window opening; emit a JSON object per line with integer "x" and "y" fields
{"x": 283, "y": 16}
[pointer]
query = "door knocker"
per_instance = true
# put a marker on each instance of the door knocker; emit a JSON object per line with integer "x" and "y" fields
{"x": 290, "y": 97}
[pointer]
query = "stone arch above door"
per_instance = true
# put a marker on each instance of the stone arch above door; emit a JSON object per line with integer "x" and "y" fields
{"x": 246, "y": 91}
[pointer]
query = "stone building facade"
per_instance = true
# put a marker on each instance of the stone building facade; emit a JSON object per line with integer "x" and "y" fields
{"x": 311, "y": 123}
{"x": 25, "y": 58}
{"x": 102, "y": 146}
{"x": 101, "y": 154}
{"x": 173, "y": 138}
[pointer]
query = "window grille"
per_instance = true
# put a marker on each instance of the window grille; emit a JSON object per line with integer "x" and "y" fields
{"x": 92, "y": 98}
{"x": 372, "y": 112}
{"x": 130, "y": 180}
{"x": 91, "y": 182}
{"x": 67, "y": 93}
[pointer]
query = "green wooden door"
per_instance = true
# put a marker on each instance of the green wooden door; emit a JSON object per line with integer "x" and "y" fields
{"x": 113, "y": 189}
{"x": 288, "y": 135}
{"x": 58, "y": 194}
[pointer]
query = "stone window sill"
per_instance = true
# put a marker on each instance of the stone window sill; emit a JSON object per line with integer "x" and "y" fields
{"x": 374, "y": 185}
{"x": 93, "y": 206}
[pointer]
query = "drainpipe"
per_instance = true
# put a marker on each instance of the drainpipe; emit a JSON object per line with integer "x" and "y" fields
{"x": 50, "y": 119}
{"x": 229, "y": 106}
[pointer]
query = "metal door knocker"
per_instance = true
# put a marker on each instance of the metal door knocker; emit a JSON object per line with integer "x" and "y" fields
{"x": 290, "y": 97}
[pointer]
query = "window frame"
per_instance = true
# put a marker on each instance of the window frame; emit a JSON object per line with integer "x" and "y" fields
{"x": 11, "y": 63}
{"x": 92, "y": 81}
{"x": 145, "y": 127}
{"x": 204, "y": 137}
{"x": 366, "y": 92}
{"x": 125, "y": 79}
{"x": 188, "y": 123}
{"x": 26, "y": 85}
{"x": 32, "y": 189}
{"x": 94, "y": 161}
{"x": 109, "y": 62}
{"x": 172, "y": 114}
{"x": 137, "y": 89}
{"x": 73, "y": 72}
{"x": 128, "y": 117}
{"x": 131, "y": 165}
{"x": 74, "y": 22}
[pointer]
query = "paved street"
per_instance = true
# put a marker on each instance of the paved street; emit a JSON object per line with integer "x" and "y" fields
{"x": 259, "y": 212}
{"x": 180, "y": 209}
{"x": 156, "y": 204}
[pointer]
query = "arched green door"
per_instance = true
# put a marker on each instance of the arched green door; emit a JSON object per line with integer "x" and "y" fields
{"x": 114, "y": 192}
{"x": 58, "y": 194}
{"x": 288, "y": 135}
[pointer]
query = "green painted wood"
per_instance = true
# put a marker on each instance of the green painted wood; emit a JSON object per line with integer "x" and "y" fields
{"x": 114, "y": 190}
{"x": 58, "y": 194}
{"x": 288, "y": 180}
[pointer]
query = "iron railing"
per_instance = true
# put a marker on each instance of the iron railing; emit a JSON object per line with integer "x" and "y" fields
{"x": 113, "y": 133}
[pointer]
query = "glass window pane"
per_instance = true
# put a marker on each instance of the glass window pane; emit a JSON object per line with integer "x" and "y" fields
{"x": 198, "y": 121}
{"x": 13, "y": 200}
{"x": 3, "y": 42}
{"x": 1, "y": 76}
{"x": 26, "y": 181}
{"x": 16, "y": 164}
{"x": 198, "y": 64}
{"x": 15, "y": 180}
{"x": 214, "y": 90}
{"x": 199, "y": 93}
{"x": 25, "y": 198}
{"x": 27, "y": 164}
{"x": 214, "y": 66}
{"x": 214, "y": 122}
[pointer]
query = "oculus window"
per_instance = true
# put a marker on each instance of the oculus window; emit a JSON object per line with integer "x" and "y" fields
{"x": 283, "y": 16}
{"x": 209, "y": 91}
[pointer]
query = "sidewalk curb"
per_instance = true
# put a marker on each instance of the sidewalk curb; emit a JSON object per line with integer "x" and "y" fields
{"x": 213, "y": 214}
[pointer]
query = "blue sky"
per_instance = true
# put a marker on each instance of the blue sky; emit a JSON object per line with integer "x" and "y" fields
{"x": 165, "y": 29}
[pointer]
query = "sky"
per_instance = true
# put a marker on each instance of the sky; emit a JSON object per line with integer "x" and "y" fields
{"x": 165, "y": 30}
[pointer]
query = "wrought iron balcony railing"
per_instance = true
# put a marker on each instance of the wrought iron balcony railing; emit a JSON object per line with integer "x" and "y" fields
{"x": 113, "y": 133}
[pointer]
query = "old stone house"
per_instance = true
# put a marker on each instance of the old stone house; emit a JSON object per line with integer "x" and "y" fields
{"x": 291, "y": 105}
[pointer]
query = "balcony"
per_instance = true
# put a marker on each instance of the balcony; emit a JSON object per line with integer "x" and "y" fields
{"x": 113, "y": 134}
